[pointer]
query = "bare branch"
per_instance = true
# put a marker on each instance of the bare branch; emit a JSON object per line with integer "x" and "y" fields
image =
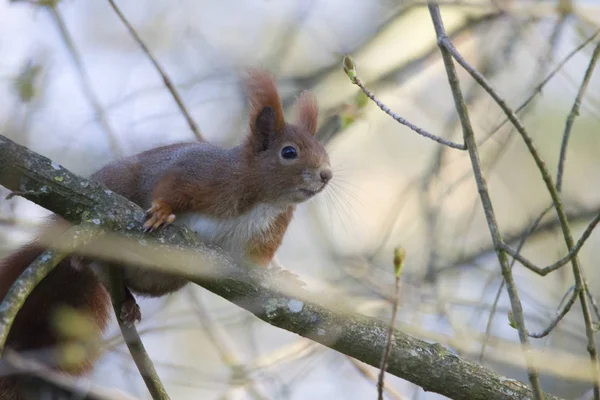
{"x": 575, "y": 112}
{"x": 224, "y": 345}
{"x": 369, "y": 375}
{"x": 38, "y": 270}
{"x": 538, "y": 89}
{"x": 469, "y": 138}
{"x": 554, "y": 194}
{"x": 50, "y": 383}
{"x": 356, "y": 80}
{"x": 430, "y": 366}
{"x": 399, "y": 255}
{"x": 162, "y": 73}
{"x": 118, "y": 294}
{"x": 560, "y": 315}
{"x": 84, "y": 79}
{"x": 515, "y": 236}
{"x": 553, "y": 267}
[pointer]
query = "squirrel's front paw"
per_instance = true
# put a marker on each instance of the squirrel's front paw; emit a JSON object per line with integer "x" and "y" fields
{"x": 130, "y": 312}
{"x": 158, "y": 215}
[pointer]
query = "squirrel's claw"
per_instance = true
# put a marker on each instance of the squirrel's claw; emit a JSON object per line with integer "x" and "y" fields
{"x": 158, "y": 215}
{"x": 130, "y": 312}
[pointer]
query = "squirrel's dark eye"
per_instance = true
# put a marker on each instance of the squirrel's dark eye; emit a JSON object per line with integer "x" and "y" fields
{"x": 289, "y": 153}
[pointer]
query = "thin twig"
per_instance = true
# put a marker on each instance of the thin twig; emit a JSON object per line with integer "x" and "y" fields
{"x": 368, "y": 374}
{"x": 352, "y": 334}
{"x": 510, "y": 237}
{"x": 593, "y": 302}
{"x": 469, "y": 139}
{"x": 225, "y": 347}
{"x": 554, "y": 194}
{"x": 133, "y": 340}
{"x": 556, "y": 265}
{"x": 488, "y": 328}
{"x": 398, "y": 263}
{"x": 350, "y": 69}
{"x": 516, "y": 236}
{"x": 404, "y": 122}
{"x": 35, "y": 273}
{"x": 13, "y": 362}
{"x": 84, "y": 79}
{"x": 163, "y": 74}
{"x": 559, "y": 316}
{"x": 574, "y": 113}
{"x": 538, "y": 89}
{"x": 430, "y": 209}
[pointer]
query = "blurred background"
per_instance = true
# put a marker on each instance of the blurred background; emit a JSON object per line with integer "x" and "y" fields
{"x": 75, "y": 87}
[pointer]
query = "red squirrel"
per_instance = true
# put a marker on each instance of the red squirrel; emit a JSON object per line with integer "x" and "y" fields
{"x": 240, "y": 199}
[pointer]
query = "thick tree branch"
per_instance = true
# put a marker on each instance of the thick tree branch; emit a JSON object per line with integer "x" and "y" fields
{"x": 430, "y": 366}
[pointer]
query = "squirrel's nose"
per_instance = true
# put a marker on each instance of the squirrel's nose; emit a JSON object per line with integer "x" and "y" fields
{"x": 326, "y": 175}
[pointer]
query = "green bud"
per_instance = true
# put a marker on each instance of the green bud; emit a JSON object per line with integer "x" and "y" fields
{"x": 349, "y": 68}
{"x": 399, "y": 256}
{"x": 361, "y": 100}
{"x": 25, "y": 83}
{"x": 346, "y": 120}
{"x": 72, "y": 355}
{"x": 48, "y": 3}
{"x": 68, "y": 322}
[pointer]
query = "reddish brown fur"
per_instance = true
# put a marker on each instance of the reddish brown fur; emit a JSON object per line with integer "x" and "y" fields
{"x": 32, "y": 326}
{"x": 261, "y": 250}
{"x": 262, "y": 92}
{"x": 307, "y": 111}
{"x": 222, "y": 184}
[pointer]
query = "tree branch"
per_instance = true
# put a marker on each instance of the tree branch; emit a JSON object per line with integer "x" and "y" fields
{"x": 554, "y": 266}
{"x": 167, "y": 81}
{"x": 118, "y": 294}
{"x": 430, "y": 366}
{"x": 45, "y": 382}
{"x": 448, "y": 47}
{"x": 486, "y": 202}
{"x": 38, "y": 270}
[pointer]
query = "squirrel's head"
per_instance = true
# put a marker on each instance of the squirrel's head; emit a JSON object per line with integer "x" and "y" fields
{"x": 292, "y": 164}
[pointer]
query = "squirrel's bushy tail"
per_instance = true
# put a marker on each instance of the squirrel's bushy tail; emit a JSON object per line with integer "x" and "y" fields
{"x": 66, "y": 285}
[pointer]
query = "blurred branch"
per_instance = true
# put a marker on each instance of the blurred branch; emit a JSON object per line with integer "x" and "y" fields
{"x": 574, "y": 292}
{"x": 469, "y": 139}
{"x": 162, "y": 73}
{"x": 430, "y": 366}
{"x": 538, "y": 89}
{"x": 86, "y": 84}
{"x": 35, "y": 273}
{"x": 50, "y": 383}
{"x": 119, "y": 295}
{"x": 371, "y": 376}
{"x": 576, "y": 217}
{"x": 399, "y": 255}
{"x": 524, "y": 237}
{"x": 402, "y": 72}
{"x": 225, "y": 347}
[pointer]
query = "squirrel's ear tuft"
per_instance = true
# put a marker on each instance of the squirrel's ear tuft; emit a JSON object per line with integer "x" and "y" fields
{"x": 307, "y": 111}
{"x": 263, "y": 96}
